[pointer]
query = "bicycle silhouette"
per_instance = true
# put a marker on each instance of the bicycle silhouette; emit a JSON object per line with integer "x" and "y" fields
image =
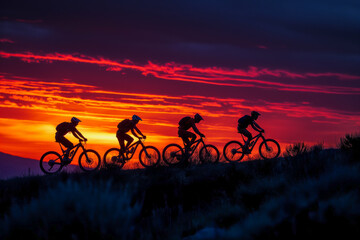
{"x": 52, "y": 162}
{"x": 149, "y": 156}
{"x": 268, "y": 149}
{"x": 173, "y": 154}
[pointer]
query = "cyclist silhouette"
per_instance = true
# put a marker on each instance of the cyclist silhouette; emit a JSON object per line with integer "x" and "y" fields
{"x": 123, "y": 127}
{"x": 186, "y": 123}
{"x": 244, "y": 122}
{"x": 62, "y": 129}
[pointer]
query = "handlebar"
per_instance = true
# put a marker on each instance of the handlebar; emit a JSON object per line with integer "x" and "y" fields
{"x": 141, "y": 139}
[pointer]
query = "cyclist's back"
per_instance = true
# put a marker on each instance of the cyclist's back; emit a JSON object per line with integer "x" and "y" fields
{"x": 126, "y": 125}
{"x": 63, "y": 128}
{"x": 245, "y": 121}
{"x": 186, "y": 123}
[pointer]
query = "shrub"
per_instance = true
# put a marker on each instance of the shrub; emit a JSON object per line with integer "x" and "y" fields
{"x": 351, "y": 143}
{"x": 74, "y": 210}
{"x": 317, "y": 148}
{"x": 317, "y": 207}
{"x": 296, "y": 149}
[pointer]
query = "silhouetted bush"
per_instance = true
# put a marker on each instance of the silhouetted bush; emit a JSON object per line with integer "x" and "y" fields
{"x": 351, "y": 143}
{"x": 317, "y": 148}
{"x": 296, "y": 149}
{"x": 74, "y": 210}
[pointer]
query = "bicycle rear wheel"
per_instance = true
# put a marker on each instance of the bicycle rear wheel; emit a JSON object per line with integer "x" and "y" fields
{"x": 209, "y": 154}
{"x": 149, "y": 156}
{"x": 233, "y": 151}
{"x": 173, "y": 154}
{"x": 89, "y": 160}
{"x": 50, "y": 162}
{"x": 113, "y": 158}
{"x": 269, "y": 149}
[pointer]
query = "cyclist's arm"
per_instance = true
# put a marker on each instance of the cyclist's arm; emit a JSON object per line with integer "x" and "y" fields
{"x": 137, "y": 130}
{"x": 256, "y": 127}
{"x": 196, "y": 129}
{"x": 78, "y": 134}
{"x": 75, "y": 135}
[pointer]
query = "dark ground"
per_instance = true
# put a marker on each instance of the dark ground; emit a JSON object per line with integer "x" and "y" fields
{"x": 312, "y": 194}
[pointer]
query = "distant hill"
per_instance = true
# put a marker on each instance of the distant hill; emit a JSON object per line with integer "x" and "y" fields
{"x": 14, "y": 166}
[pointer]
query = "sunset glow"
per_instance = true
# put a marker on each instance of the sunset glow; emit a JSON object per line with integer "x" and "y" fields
{"x": 45, "y": 81}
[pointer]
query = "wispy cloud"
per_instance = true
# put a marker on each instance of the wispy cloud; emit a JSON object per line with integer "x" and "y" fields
{"x": 6, "y": 40}
{"x": 56, "y": 96}
{"x": 29, "y": 101}
{"x": 211, "y": 75}
{"x": 29, "y": 20}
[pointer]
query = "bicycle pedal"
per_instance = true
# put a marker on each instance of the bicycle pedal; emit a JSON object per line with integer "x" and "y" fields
{"x": 246, "y": 152}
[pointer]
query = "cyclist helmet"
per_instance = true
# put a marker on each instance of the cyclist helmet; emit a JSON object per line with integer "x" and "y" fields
{"x": 136, "y": 117}
{"x": 255, "y": 114}
{"x": 198, "y": 117}
{"x": 75, "y": 120}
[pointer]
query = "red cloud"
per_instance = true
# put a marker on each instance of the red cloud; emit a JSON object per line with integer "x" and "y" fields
{"x": 211, "y": 75}
{"x": 29, "y": 20}
{"x": 5, "y": 40}
{"x": 27, "y": 101}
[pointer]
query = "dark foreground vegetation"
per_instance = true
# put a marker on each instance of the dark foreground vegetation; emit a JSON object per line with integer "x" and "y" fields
{"x": 309, "y": 193}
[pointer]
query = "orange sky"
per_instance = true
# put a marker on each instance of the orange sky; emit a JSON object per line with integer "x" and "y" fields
{"x": 31, "y": 109}
{"x": 105, "y": 61}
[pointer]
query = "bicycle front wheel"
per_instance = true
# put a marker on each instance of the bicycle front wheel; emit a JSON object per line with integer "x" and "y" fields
{"x": 173, "y": 154}
{"x": 50, "y": 162}
{"x": 269, "y": 149}
{"x": 112, "y": 157}
{"x": 209, "y": 154}
{"x": 89, "y": 160}
{"x": 149, "y": 156}
{"x": 233, "y": 151}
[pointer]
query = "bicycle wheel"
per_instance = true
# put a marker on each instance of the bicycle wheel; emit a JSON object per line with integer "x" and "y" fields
{"x": 270, "y": 150}
{"x": 173, "y": 154}
{"x": 150, "y": 157}
{"x": 112, "y": 158}
{"x": 233, "y": 151}
{"x": 50, "y": 162}
{"x": 209, "y": 154}
{"x": 89, "y": 160}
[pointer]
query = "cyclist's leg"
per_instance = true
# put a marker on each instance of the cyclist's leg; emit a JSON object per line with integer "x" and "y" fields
{"x": 182, "y": 135}
{"x": 247, "y": 134}
{"x": 186, "y": 141}
{"x": 188, "y": 135}
{"x": 192, "y": 136}
{"x": 65, "y": 142}
{"x": 121, "y": 139}
{"x": 129, "y": 140}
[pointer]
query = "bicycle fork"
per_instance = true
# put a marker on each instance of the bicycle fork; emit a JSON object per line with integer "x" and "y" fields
{"x": 88, "y": 160}
{"x": 147, "y": 154}
{"x": 266, "y": 145}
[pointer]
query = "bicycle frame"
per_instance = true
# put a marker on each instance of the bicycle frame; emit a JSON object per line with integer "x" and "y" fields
{"x": 193, "y": 146}
{"x": 135, "y": 145}
{"x": 254, "y": 140}
{"x": 74, "y": 150}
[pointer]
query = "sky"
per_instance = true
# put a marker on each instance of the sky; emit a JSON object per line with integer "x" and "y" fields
{"x": 295, "y": 62}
